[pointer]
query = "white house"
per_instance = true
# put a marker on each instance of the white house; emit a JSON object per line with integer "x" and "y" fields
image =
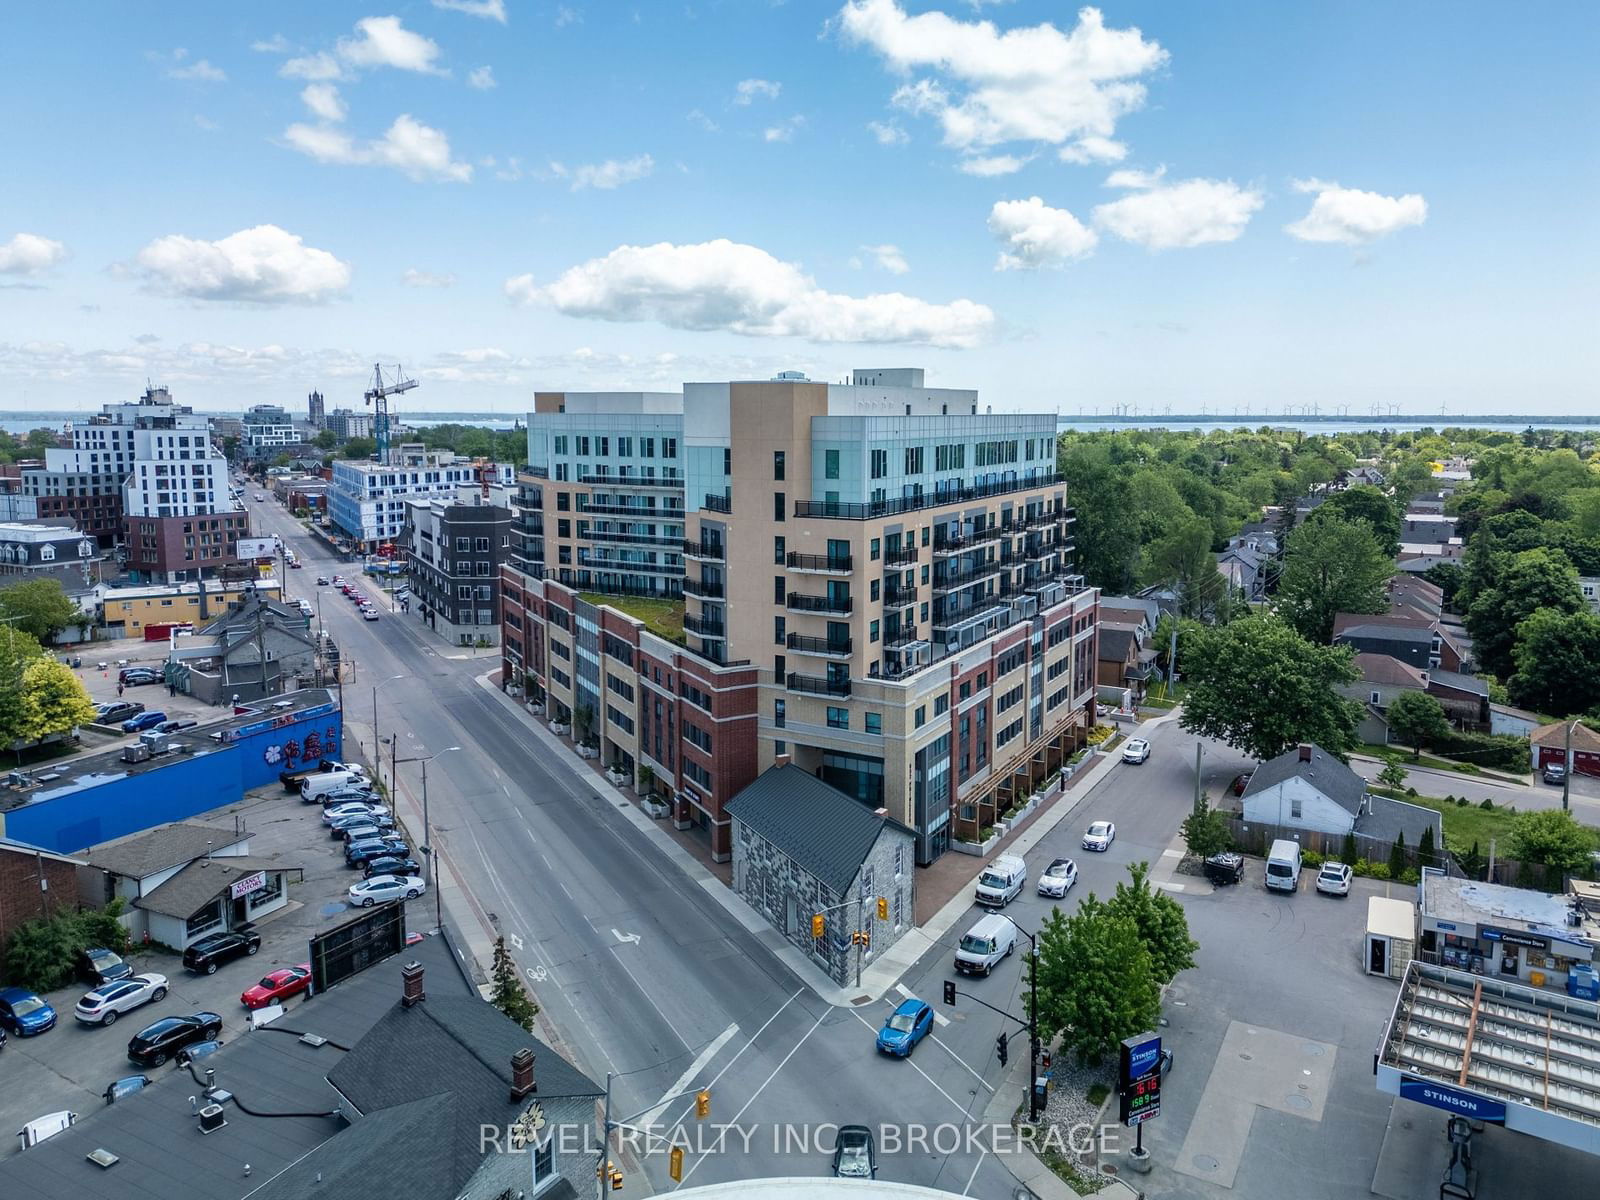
{"x": 1307, "y": 789}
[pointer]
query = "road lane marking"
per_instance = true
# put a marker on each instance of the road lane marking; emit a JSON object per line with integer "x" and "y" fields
{"x": 938, "y": 1016}
{"x": 982, "y": 1151}
{"x": 645, "y": 992}
{"x": 961, "y": 1107}
{"x": 746, "y": 1046}
{"x": 625, "y": 938}
{"x": 712, "y": 1049}
{"x": 963, "y": 1062}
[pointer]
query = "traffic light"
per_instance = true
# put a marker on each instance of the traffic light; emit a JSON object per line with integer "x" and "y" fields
{"x": 817, "y": 926}
{"x": 702, "y": 1104}
{"x": 1000, "y": 1048}
{"x": 950, "y": 991}
{"x": 616, "y": 1179}
{"x": 883, "y": 908}
{"x": 860, "y": 937}
{"x": 675, "y": 1164}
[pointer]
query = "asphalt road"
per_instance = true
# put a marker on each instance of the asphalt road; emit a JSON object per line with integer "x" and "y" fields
{"x": 1584, "y": 803}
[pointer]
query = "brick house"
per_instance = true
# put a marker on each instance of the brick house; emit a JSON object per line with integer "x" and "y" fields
{"x": 802, "y": 848}
{"x": 33, "y": 883}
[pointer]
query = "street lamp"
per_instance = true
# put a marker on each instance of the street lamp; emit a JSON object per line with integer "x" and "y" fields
{"x": 377, "y": 749}
{"x": 427, "y": 846}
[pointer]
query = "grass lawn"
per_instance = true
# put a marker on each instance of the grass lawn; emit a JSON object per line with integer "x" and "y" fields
{"x": 1403, "y": 756}
{"x": 1465, "y": 825}
{"x": 664, "y": 618}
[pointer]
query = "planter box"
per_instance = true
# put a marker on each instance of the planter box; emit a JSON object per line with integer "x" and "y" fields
{"x": 657, "y": 809}
{"x": 979, "y": 849}
{"x": 558, "y": 727}
{"x": 536, "y": 709}
{"x": 588, "y": 752}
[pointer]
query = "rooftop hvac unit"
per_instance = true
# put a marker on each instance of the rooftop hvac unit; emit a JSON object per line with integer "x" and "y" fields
{"x": 1024, "y": 606}
{"x": 211, "y": 1118}
{"x": 136, "y": 752}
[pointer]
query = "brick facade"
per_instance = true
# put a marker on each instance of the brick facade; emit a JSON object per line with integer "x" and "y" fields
{"x": 22, "y": 899}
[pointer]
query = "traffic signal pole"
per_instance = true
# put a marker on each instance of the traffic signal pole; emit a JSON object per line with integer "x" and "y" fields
{"x": 1000, "y": 1043}
{"x": 607, "y": 1172}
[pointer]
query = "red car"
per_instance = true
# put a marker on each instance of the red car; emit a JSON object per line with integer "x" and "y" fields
{"x": 279, "y": 985}
{"x": 1240, "y": 782}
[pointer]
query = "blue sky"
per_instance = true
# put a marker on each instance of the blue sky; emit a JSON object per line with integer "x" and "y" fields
{"x": 1184, "y": 204}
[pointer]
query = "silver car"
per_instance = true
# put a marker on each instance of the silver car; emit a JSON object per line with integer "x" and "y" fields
{"x": 1058, "y": 878}
{"x": 110, "y": 1000}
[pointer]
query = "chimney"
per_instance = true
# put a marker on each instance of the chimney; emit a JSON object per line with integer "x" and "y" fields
{"x": 522, "y": 1082}
{"x": 781, "y": 760}
{"x": 1305, "y": 751}
{"x": 411, "y": 984}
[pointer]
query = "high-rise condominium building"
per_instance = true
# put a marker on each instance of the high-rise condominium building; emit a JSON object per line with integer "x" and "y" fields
{"x": 870, "y": 580}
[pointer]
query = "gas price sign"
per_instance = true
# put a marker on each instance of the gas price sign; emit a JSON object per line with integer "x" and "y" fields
{"x": 1139, "y": 1079}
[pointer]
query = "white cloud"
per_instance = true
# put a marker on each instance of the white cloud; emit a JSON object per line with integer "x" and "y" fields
{"x": 276, "y": 44}
{"x": 324, "y": 101}
{"x": 29, "y": 254}
{"x": 752, "y": 89}
{"x": 1191, "y": 212}
{"x": 784, "y": 130}
{"x": 1132, "y": 177}
{"x": 384, "y": 42}
{"x": 1036, "y": 235}
{"x": 566, "y": 15}
{"x": 989, "y": 165}
{"x": 1093, "y": 149}
{"x": 988, "y": 87}
{"x": 264, "y": 265}
{"x": 427, "y": 279}
{"x": 408, "y": 145}
{"x": 482, "y": 78}
{"x": 888, "y": 133}
{"x": 493, "y": 10}
{"x": 605, "y": 176}
{"x": 723, "y": 285}
{"x": 889, "y": 257}
{"x": 199, "y": 71}
{"x": 695, "y": 117}
{"x": 206, "y": 123}
{"x": 318, "y": 66}
{"x": 1353, "y": 217}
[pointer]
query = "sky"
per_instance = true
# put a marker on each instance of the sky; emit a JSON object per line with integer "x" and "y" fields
{"x": 1244, "y": 206}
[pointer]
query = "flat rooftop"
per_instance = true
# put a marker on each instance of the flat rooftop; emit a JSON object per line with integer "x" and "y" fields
{"x": 1466, "y": 900}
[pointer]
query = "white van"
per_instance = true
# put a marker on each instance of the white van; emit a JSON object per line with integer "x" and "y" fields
{"x": 1001, "y": 880}
{"x": 313, "y": 786}
{"x": 985, "y": 944}
{"x": 1283, "y": 866}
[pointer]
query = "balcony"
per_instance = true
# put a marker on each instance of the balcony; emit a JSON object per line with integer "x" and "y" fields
{"x": 635, "y": 511}
{"x": 958, "y": 579}
{"x": 705, "y": 627}
{"x": 705, "y": 588}
{"x": 709, "y": 551}
{"x": 833, "y": 563}
{"x": 818, "y": 687}
{"x": 801, "y": 602}
{"x": 717, "y": 503}
{"x": 899, "y": 597}
{"x": 957, "y": 543}
{"x": 826, "y": 647}
{"x": 631, "y": 539}
{"x": 903, "y": 504}
{"x": 632, "y": 481}
{"x": 900, "y": 557}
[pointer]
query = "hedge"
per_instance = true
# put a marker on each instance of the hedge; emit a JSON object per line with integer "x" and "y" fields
{"x": 42, "y": 952}
{"x": 1484, "y": 749}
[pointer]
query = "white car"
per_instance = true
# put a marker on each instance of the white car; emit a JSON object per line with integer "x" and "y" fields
{"x": 1058, "y": 878}
{"x": 369, "y": 614}
{"x": 110, "y": 1000}
{"x": 1099, "y": 836}
{"x": 381, "y": 889}
{"x": 1135, "y": 750}
{"x": 1334, "y": 879}
{"x": 352, "y": 808}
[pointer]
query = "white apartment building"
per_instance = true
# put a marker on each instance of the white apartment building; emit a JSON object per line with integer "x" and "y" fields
{"x": 367, "y": 501}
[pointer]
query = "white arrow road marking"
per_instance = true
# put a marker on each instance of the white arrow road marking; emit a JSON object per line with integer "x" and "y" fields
{"x": 938, "y": 1017}
{"x": 626, "y": 937}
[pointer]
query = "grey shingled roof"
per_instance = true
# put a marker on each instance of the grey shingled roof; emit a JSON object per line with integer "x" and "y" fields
{"x": 1458, "y": 681}
{"x": 146, "y": 854}
{"x": 192, "y": 888}
{"x": 1390, "y": 817}
{"x": 1324, "y": 772}
{"x": 1386, "y": 633}
{"x": 1114, "y": 642}
{"x": 823, "y": 830}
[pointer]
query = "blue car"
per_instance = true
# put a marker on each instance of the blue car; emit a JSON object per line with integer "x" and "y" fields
{"x": 906, "y": 1026}
{"x": 145, "y": 720}
{"x": 24, "y": 1013}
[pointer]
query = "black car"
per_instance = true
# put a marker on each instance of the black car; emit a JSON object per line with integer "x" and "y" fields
{"x": 854, "y": 1154}
{"x": 358, "y": 854}
{"x": 98, "y": 965}
{"x": 210, "y": 952}
{"x": 1226, "y": 867}
{"x": 391, "y": 864}
{"x": 139, "y": 677}
{"x": 155, "y": 1044}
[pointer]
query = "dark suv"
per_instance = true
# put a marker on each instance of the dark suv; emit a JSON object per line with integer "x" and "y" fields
{"x": 210, "y": 952}
{"x": 98, "y": 965}
{"x": 154, "y": 1044}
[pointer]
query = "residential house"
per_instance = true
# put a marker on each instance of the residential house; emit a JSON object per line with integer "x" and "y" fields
{"x": 1589, "y": 585}
{"x": 1411, "y": 638}
{"x": 1141, "y": 611}
{"x": 1512, "y": 722}
{"x": 802, "y": 848}
{"x": 1433, "y": 552}
{"x": 1382, "y": 679}
{"x": 1366, "y": 474}
{"x": 1547, "y": 747}
{"x": 1424, "y": 527}
{"x": 1245, "y": 570}
{"x": 1407, "y": 591}
{"x": 1465, "y": 698}
{"x": 258, "y": 648}
{"x": 1260, "y": 536}
{"x": 1127, "y": 660}
{"x": 1308, "y": 791}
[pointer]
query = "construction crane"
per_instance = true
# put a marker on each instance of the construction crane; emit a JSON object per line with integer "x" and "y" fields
{"x": 378, "y": 396}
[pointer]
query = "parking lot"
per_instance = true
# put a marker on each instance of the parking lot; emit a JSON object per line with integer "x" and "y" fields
{"x": 70, "y": 1066}
{"x": 101, "y": 682}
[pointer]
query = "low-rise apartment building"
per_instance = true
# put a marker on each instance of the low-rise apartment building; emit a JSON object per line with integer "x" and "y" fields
{"x": 873, "y": 581}
{"x": 453, "y": 549}
{"x": 367, "y": 500}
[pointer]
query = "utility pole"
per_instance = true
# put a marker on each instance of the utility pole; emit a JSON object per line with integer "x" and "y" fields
{"x": 1197, "y": 776}
{"x": 377, "y": 743}
{"x": 428, "y": 853}
{"x": 1566, "y": 775}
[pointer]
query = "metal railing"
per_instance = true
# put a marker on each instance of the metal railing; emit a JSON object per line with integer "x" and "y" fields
{"x": 714, "y": 551}
{"x": 899, "y": 596}
{"x": 853, "y": 511}
{"x": 816, "y": 645}
{"x": 895, "y": 558}
{"x": 630, "y": 510}
{"x": 817, "y": 686}
{"x": 715, "y": 503}
{"x": 801, "y": 602}
{"x": 627, "y": 481}
{"x": 820, "y": 562}
{"x": 704, "y": 626}
{"x": 703, "y": 587}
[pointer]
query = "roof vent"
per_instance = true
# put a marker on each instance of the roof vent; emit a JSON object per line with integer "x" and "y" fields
{"x": 211, "y": 1118}
{"x": 102, "y": 1158}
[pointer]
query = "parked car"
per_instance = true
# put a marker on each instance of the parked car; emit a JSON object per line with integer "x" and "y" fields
{"x": 138, "y": 676}
{"x": 855, "y": 1155}
{"x": 369, "y": 614}
{"x": 145, "y": 720}
{"x": 380, "y": 889}
{"x": 1058, "y": 878}
{"x": 1224, "y": 868}
{"x": 277, "y": 985}
{"x": 155, "y": 1044}
{"x": 117, "y": 712}
{"x": 906, "y": 1026}
{"x": 105, "y": 1004}
{"x": 98, "y": 965}
{"x": 356, "y": 829}
{"x": 351, "y": 793}
{"x": 1554, "y": 773}
{"x": 294, "y": 564}
{"x": 175, "y": 726}
{"x": 292, "y": 780}
{"x": 358, "y": 854}
{"x": 24, "y": 1013}
{"x": 1240, "y": 782}
{"x": 1334, "y": 879}
{"x": 1001, "y": 881}
{"x": 322, "y": 581}
{"x": 390, "y": 865}
{"x": 1135, "y": 750}
{"x": 210, "y": 952}
{"x": 351, "y": 808}
{"x": 1099, "y": 835}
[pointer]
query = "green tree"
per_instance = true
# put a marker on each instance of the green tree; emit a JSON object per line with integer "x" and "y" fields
{"x": 1533, "y": 579}
{"x": 230, "y": 448}
{"x": 1331, "y": 565}
{"x": 1426, "y": 856}
{"x": 53, "y": 700}
{"x": 1556, "y": 656}
{"x": 326, "y": 439}
{"x": 1446, "y": 576}
{"x": 1160, "y": 920}
{"x": 1096, "y": 985}
{"x": 18, "y": 651}
{"x": 1416, "y": 718}
{"x": 1397, "y": 855}
{"x": 40, "y": 608}
{"x": 1108, "y": 543}
{"x": 1347, "y": 852}
{"x": 281, "y": 459}
{"x": 1366, "y": 505}
{"x": 1205, "y": 832}
{"x": 1393, "y": 775}
{"x": 509, "y": 996}
{"x": 1551, "y": 838}
{"x": 1182, "y": 559}
{"x": 1260, "y": 687}
{"x": 358, "y": 448}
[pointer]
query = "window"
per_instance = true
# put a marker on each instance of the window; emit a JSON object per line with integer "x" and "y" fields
{"x": 779, "y": 503}
{"x": 778, "y": 713}
{"x": 779, "y": 632}
{"x": 697, "y": 736}
{"x": 983, "y": 680}
{"x": 830, "y": 464}
{"x": 880, "y": 463}
{"x": 966, "y": 689}
{"x": 482, "y": 545}
{"x": 543, "y": 1155}
{"x": 603, "y": 449}
{"x": 583, "y": 445}
{"x": 697, "y": 773}
{"x": 873, "y": 549}
{"x": 941, "y": 705}
{"x": 563, "y": 502}
{"x": 873, "y": 590}
{"x": 1377, "y": 696}
{"x": 624, "y": 447}
{"x": 777, "y": 550}
{"x": 913, "y": 460}
{"x": 872, "y": 632}
{"x": 463, "y": 545}
{"x": 1294, "y": 809}
{"x": 777, "y": 589}
{"x": 921, "y": 718}
{"x": 838, "y": 718}
{"x": 647, "y": 447}
{"x": 777, "y": 464}
{"x": 669, "y": 447}
{"x": 874, "y": 722}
